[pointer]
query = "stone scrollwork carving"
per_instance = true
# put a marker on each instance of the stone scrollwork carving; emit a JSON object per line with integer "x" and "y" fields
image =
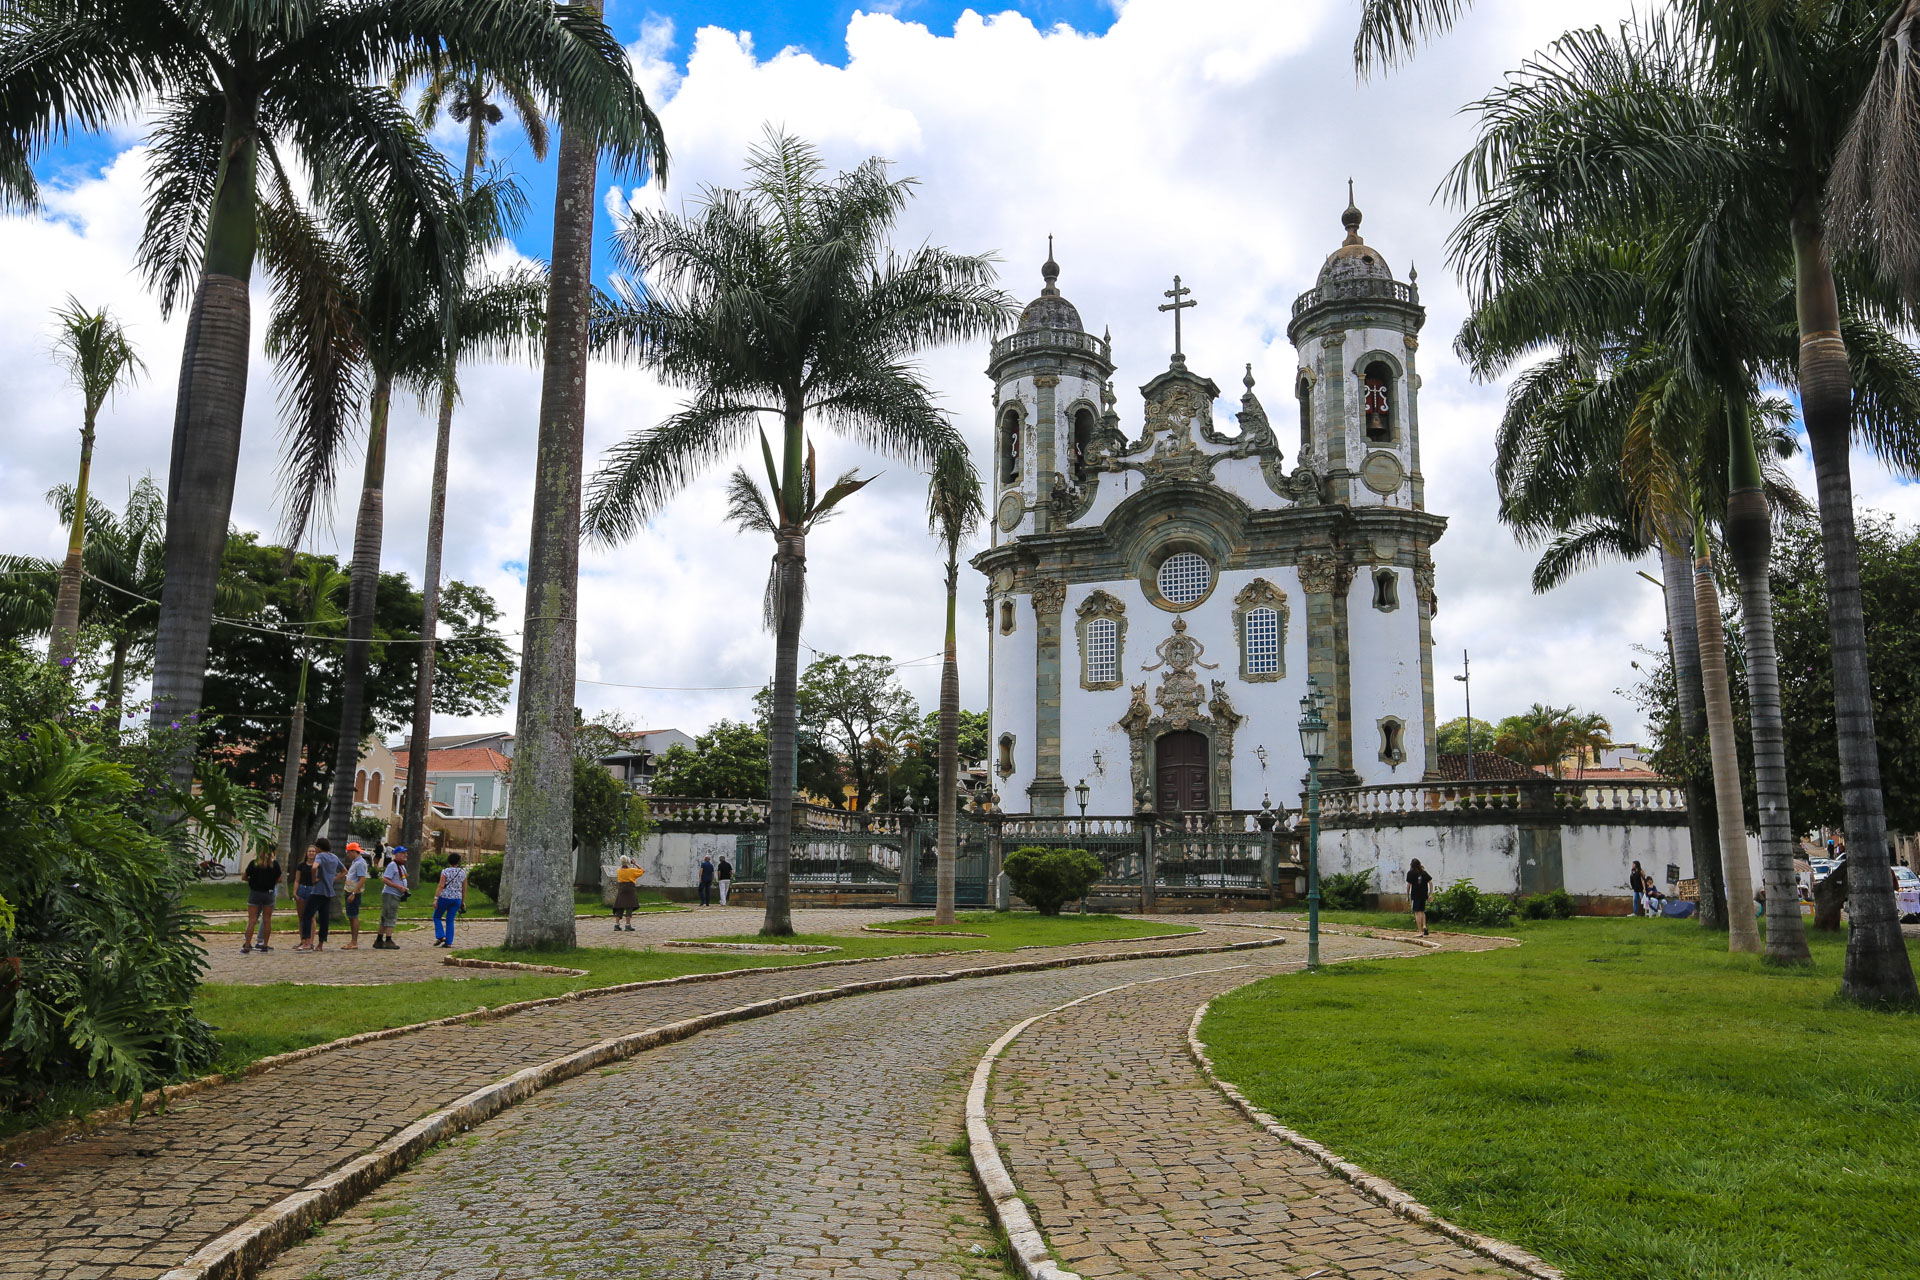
{"x": 1139, "y": 715}
{"x": 1322, "y": 573}
{"x": 1423, "y": 586}
{"x": 1049, "y": 597}
{"x": 1101, "y": 605}
{"x": 1225, "y": 721}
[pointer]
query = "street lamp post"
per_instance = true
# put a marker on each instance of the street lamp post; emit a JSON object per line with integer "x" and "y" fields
{"x": 1313, "y": 745}
{"x": 1466, "y": 678}
{"x": 1081, "y": 793}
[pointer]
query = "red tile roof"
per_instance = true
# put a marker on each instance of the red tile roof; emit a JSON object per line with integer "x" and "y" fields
{"x": 463, "y": 760}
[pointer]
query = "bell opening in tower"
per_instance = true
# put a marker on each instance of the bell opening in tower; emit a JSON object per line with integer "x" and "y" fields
{"x": 1010, "y": 447}
{"x": 1082, "y": 442}
{"x": 1378, "y": 403}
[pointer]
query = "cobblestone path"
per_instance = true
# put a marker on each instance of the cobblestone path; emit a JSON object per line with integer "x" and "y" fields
{"x": 133, "y": 1202}
{"x": 818, "y": 1143}
{"x": 1135, "y": 1165}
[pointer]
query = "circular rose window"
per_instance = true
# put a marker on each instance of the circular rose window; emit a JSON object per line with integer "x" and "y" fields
{"x": 1184, "y": 577}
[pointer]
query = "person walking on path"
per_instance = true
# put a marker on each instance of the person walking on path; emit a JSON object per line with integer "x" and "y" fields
{"x": 357, "y": 876}
{"x": 706, "y": 882}
{"x": 626, "y": 892}
{"x": 328, "y": 871}
{"x": 1637, "y": 881}
{"x": 1418, "y": 883}
{"x": 393, "y": 887}
{"x": 725, "y": 878}
{"x": 448, "y": 899}
{"x": 263, "y": 877}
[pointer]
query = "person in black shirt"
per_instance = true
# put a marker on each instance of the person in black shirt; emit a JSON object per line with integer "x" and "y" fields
{"x": 262, "y": 875}
{"x": 1418, "y": 882}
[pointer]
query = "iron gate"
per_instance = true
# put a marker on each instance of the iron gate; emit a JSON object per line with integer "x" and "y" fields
{"x": 970, "y": 867}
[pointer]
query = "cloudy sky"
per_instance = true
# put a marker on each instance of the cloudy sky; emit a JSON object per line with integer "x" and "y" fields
{"x": 1212, "y": 138}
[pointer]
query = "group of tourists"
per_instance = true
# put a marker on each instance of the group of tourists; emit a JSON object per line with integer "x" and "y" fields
{"x": 322, "y": 876}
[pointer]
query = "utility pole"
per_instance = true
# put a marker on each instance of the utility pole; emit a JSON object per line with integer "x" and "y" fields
{"x": 1466, "y": 677}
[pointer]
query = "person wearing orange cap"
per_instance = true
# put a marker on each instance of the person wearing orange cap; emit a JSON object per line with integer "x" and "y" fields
{"x": 357, "y": 876}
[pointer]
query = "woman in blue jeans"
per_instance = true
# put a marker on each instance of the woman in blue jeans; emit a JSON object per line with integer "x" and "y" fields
{"x": 448, "y": 900}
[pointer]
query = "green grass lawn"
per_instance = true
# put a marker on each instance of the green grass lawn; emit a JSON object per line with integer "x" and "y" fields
{"x": 228, "y": 895}
{"x": 1621, "y": 1096}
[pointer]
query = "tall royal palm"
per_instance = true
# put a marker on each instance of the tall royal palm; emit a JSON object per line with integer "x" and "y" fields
{"x": 479, "y": 99}
{"x": 317, "y": 595}
{"x": 365, "y": 292}
{"x": 99, "y": 358}
{"x": 954, "y": 511}
{"x": 1760, "y": 138}
{"x": 783, "y": 300}
{"x": 246, "y": 88}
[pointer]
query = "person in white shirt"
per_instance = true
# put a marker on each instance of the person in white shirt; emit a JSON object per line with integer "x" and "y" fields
{"x": 393, "y": 887}
{"x": 357, "y": 875}
{"x": 448, "y": 900}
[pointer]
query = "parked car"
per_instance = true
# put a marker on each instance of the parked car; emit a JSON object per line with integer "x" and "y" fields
{"x": 1823, "y": 867}
{"x": 1906, "y": 894}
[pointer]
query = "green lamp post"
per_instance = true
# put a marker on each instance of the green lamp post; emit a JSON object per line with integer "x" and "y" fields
{"x": 1313, "y": 745}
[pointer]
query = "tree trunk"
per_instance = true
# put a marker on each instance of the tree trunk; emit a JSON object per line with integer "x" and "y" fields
{"x": 1829, "y": 896}
{"x": 1878, "y": 970}
{"x": 413, "y": 818}
{"x": 1749, "y": 535}
{"x": 206, "y": 439}
{"x": 66, "y": 605}
{"x": 948, "y": 849}
{"x": 1702, "y": 822}
{"x": 790, "y": 564}
{"x": 1743, "y": 933}
{"x": 290, "y": 775}
{"x": 117, "y": 686}
{"x": 363, "y": 584}
{"x": 539, "y": 856}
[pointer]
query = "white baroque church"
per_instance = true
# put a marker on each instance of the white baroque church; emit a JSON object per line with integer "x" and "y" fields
{"x": 1159, "y": 596}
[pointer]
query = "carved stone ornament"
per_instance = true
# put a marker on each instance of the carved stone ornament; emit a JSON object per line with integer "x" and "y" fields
{"x": 1321, "y": 574}
{"x": 1261, "y": 594}
{"x": 1180, "y": 695}
{"x": 1225, "y": 721}
{"x": 1049, "y": 597}
{"x": 1423, "y": 587}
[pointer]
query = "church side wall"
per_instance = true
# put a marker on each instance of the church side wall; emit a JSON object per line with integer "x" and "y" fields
{"x": 1013, "y": 703}
{"x": 1385, "y": 662}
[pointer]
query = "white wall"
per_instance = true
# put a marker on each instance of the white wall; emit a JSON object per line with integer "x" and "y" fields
{"x": 672, "y": 858}
{"x": 1594, "y": 859}
{"x": 1385, "y": 677}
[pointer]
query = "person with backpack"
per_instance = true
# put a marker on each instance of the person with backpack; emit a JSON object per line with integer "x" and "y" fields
{"x": 448, "y": 899}
{"x": 1419, "y": 883}
{"x": 393, "y": 888}
{"x": 263, "y": 877}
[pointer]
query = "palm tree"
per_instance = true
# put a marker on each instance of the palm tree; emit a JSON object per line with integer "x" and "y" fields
{"x": 538, "y": 876}
{"x": 1759, "y": 135}
{"x": 242, "y": 89}
{"x": 317, "y": 592}
{"x": 784, "y": 300}
{"x": 94, "y": 348}
{"x": 954, "y": 512}
{"x": 470, "y": 95}
{"x": 365, "y": 291}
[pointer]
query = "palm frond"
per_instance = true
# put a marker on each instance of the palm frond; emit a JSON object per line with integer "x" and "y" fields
{"x": 1390, "y": 29}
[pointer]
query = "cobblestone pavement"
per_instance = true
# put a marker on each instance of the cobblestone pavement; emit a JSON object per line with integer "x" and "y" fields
{"x": 133, "y": 1201}
{"x": 818, "y": 1143}
{"x": 1135, "y": 1165}
{"x": 418, "y": 959}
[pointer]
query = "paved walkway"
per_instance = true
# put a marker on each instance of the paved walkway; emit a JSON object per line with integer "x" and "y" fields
{"x": 418, "y": 959}
{"x": 1135, "y": 1165}
{"x": 132, "y": 1202}
{"x": 815, "y": 1143}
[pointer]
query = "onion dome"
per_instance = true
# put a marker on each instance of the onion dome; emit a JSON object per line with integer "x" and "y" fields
{"x": 1355, "y": 259}
{"x": 1051, "y": 310}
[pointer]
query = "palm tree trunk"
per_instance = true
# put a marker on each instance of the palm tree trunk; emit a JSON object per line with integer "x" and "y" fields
{"x": 539, "y": 859}
{"x": 790, "y": 563}
{"x": 206, "y": 437}
{"x": 949, "y": 752}
{"x": 414, "y": 817}
{"x": 117, "y": 685}
{"x": 364, "y": 582}
{"x": 66, "y": 605}
{"x": 1878, "y": 970}
{"x": 1749, "y": 535}
{"x": 1676, "y": 574}
{"x": 1743, "y": 933}
{"x": 290, "y": 775}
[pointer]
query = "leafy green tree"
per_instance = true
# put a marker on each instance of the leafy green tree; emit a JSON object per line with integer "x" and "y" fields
{"x": 859, "y": 717}
{"x": 954, "y": 512}
{"x": 1786, "y": 95}
{"x": 94, "y": 348}
{"x": 539, "y": 863}
{"x": 727, "y": 762}
{"x": 1452, "y": 738}
{"x": 471, "y": 95}
{"x": 253, "y": 677}
{"x": 784, "y": 300}
{"x": 1048, "y": 879}
{"x": 242, "y": 88}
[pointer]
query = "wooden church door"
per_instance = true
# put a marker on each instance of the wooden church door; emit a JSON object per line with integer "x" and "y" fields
{"x": 1180, "y": 762}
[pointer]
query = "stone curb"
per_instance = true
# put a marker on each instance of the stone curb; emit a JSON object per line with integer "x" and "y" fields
{"x": 462, "y": 962}
{"x": 754, "y": 948}
{"x": 915, "y": 933}
{"x": 1374, "y": 1188}
{"x": 1024, "y": 1237}
{"x": 239, "y": 1251}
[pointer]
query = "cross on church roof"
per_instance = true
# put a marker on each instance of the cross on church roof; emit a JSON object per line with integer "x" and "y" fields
{"x": 1177, "y": 293}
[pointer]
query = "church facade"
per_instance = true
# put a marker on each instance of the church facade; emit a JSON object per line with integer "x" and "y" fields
{"x": 1160, "y": 595}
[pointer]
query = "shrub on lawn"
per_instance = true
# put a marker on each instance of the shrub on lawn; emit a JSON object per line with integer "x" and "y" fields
{"x": 1463, "y": 902}
{"x": 1557, "y": 905}
{"x": 1346, "y": 890}
{"x": 485, "y": 875}
{"x": 1048, "y": 879}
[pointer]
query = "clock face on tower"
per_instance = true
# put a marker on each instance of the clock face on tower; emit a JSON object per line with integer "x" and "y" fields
{"x": 1011, "y": 509}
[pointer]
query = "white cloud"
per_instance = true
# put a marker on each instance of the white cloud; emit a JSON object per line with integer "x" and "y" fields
{"x": 1213, "y": 140}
